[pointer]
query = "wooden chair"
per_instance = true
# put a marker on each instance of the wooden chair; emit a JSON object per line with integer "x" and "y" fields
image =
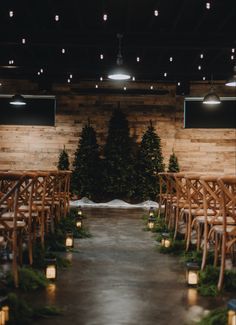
{"x": 227, "y": 230}
{"x": 10, "y": 223}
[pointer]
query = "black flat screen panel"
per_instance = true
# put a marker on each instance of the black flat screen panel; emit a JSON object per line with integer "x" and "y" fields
{"x": 37, "y": 111}
{"x": 199, "y": 115}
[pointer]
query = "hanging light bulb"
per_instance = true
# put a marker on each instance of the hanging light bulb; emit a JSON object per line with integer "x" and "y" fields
{"x": 119, "y": 73}
{"x": 171, "y": 59}
{"x": 165, "y": 74}
{"x": 208, "y": 5}
{"x": 23, "y": 41}
{"x": 101, "y": 56}
{"x": 11, "y": 13}
{"x": 105, "y": 17}
{"x": 57, "y": 17}
{"x": 138, "y": 59}
{"x": 156, "y": 13}
{"x": 211, "y": 98}
{"x": 201, "y": 56}
{"x": 63, "y": 51}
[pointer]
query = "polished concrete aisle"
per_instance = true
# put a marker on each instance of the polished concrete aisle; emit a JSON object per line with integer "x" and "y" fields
{"x": 118, "y": 277}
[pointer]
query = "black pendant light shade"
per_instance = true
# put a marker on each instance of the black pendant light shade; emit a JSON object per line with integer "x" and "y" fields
{"x": 232, "y": 81}
{"x": 211, "y": 98}
{"x": 18, "y": 100}
{"x": 119, "y": 73}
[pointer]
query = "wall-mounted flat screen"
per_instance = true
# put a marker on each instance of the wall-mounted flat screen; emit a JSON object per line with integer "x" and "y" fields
{"x": 199, "y": 115}
{"x": 39, "y": 110}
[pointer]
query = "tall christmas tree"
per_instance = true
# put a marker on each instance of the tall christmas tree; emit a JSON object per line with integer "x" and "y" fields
{"x": 119, "y": 169}
{"x": 149, "y": 164}
{"x": 63, "y": 160}
{"x": 173, "y": 163}
{"x": 86, "y": 174}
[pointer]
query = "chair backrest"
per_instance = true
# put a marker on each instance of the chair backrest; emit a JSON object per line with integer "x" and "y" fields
{"x": 211, "y": 194}
{"x": 180, "y": 186}
{"x": 227, "y": 185}
{"x": 194, "y": 190}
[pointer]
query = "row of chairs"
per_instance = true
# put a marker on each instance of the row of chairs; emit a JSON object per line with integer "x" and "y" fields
{"x": 203, "y": 208}
{"x": 30, "y": 204}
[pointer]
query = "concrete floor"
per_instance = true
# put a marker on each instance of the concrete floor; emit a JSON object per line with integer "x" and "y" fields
{"x": 118, "y": 277}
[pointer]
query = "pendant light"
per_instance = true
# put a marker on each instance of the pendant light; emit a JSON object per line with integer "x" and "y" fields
{"x": 18, "y": 100}
{"x": 232, "y": 81}
{"x": 211, "y": 98}
{"x": 119, "y": 73}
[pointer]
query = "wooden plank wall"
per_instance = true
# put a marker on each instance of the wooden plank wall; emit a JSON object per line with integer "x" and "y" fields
{"x": 198, "y": 150}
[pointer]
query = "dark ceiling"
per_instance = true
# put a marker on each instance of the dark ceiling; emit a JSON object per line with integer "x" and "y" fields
{"x": 183, "y": 30}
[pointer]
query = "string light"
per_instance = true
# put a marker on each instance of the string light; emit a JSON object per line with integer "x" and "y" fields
{"x": 101, "y": 56}
{"x": 138, "y": 59}
{"x": 71, "y": 76}
{"x": 232, "y": 57}
{"x": 156, "y": 12}
{"x": 11, "y": 13}
{"x": 105, "y": 17}
{"x": 38, "y": 73}
{"x": 178, "y": 83}
{"x": 133, "y": 78}
{"x": 68, "y": 80}
{"x": 63, "y": 51}
{"x": 151, "y": 87}
{"x": 171, "y": 59}
{"x": 96, "y": 86}
{"x": 208, "y": 5}
{"x": 199, "y": 67}
{"x": 233, "y": 50}
{"x": 125, "y": 88}
{"x": 101, "y": 78}
{"x": 23, "y": 41}
{"x": 201, "y": 56}
{"x": 204, "y": 78}
{"x": 165, "y": 74}
{"x": 57, "y": 17}
{"x": 41, "y": 70}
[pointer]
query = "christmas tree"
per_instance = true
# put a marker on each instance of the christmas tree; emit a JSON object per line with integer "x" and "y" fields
{"x": 119, "y": 171}
{"x": 63, "y": 160}
{"x": 149, "y": 164}
{"x": 86, "y": 174}
{"x": 173, "y": 163}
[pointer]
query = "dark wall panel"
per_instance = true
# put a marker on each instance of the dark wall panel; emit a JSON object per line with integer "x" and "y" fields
{"x": 37, "y": 111}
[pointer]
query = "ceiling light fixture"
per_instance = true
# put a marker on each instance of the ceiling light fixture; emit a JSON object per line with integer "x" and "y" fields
{"x": 18, "y": 100}
{"x": 119, "y": 73}
{"x": 231, "y": 82}
{"x": 211, "y": 98}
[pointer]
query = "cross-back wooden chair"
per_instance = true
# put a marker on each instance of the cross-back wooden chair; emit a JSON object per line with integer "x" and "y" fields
{"x": 166, "y": 195}
{"x": 228, "y": 228}
{"x": 10, "y": 223}
{"x": 181, "y": 199}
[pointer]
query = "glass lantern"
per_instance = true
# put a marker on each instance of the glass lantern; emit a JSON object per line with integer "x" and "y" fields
{"x": 69, "y": 240}
{"x": 80, "y": 212}
{"x": 192, "y": 273}
{"x": 231, "y": 312}
{"x": 166, "y": 240}
{"x": 79, "y": 222}
{"x": 151, "y": 223}
{"x": 51, "y": 268}
{"x": 151, "y": 212}
{"x": 4, "y": 311}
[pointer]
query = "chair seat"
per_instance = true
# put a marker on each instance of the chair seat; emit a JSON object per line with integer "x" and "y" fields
{"x": 230, "y": 229}
{"x": 10, "y": 224}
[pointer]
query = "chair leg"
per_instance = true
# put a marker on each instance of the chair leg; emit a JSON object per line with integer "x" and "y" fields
{"x": 14, "y": 261}
{"x": 222, "y": 266}
{"x": 205, "y": 242}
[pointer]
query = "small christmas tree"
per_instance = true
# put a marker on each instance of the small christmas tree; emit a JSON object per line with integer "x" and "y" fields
{"x": 86, "y": 174}
{"x": 149, "y": 164}
{"x": 63, "y": 160}
{"x": 173, "y": 163}
{"x": 119, "y": 171}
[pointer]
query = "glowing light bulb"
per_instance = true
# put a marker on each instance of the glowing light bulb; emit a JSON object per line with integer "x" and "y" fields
{"x": 201, "y": 56}
{"x": 232, "y": 57}
{"x": 199, "y": 67}
{"x": 133, "y": 78}
{"x": 101, "y": 78}
{"x": 156, "y": 12}
{"x": 38, "y": 73}
{"x": 105, "y": 17}
{"x": 11, "y": 13}
{"x": 151, "y": 87}
{"x": 125, "y": 88}
{"x": 233, "y": 50}
{"x": 101, "y": 56}
{"x": 41, "y": 70}
{"x": 96, "y": 86}
{"x": 71, "y": 76}
{"x": 0, "y": 84}
{"x": 63, "y": 51}
{"x": 208, "y": 5}
{"x": 57, "y": 17}
{"x": 171, "y": 59}
{"x": 138, "y": 59}
{"x": 23, "y": 41}
{"x": 165, "y": 74}
{"x": 204, "y": 78}
{"x": 68, "y": 80}
{"x": 178, "y": 83}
